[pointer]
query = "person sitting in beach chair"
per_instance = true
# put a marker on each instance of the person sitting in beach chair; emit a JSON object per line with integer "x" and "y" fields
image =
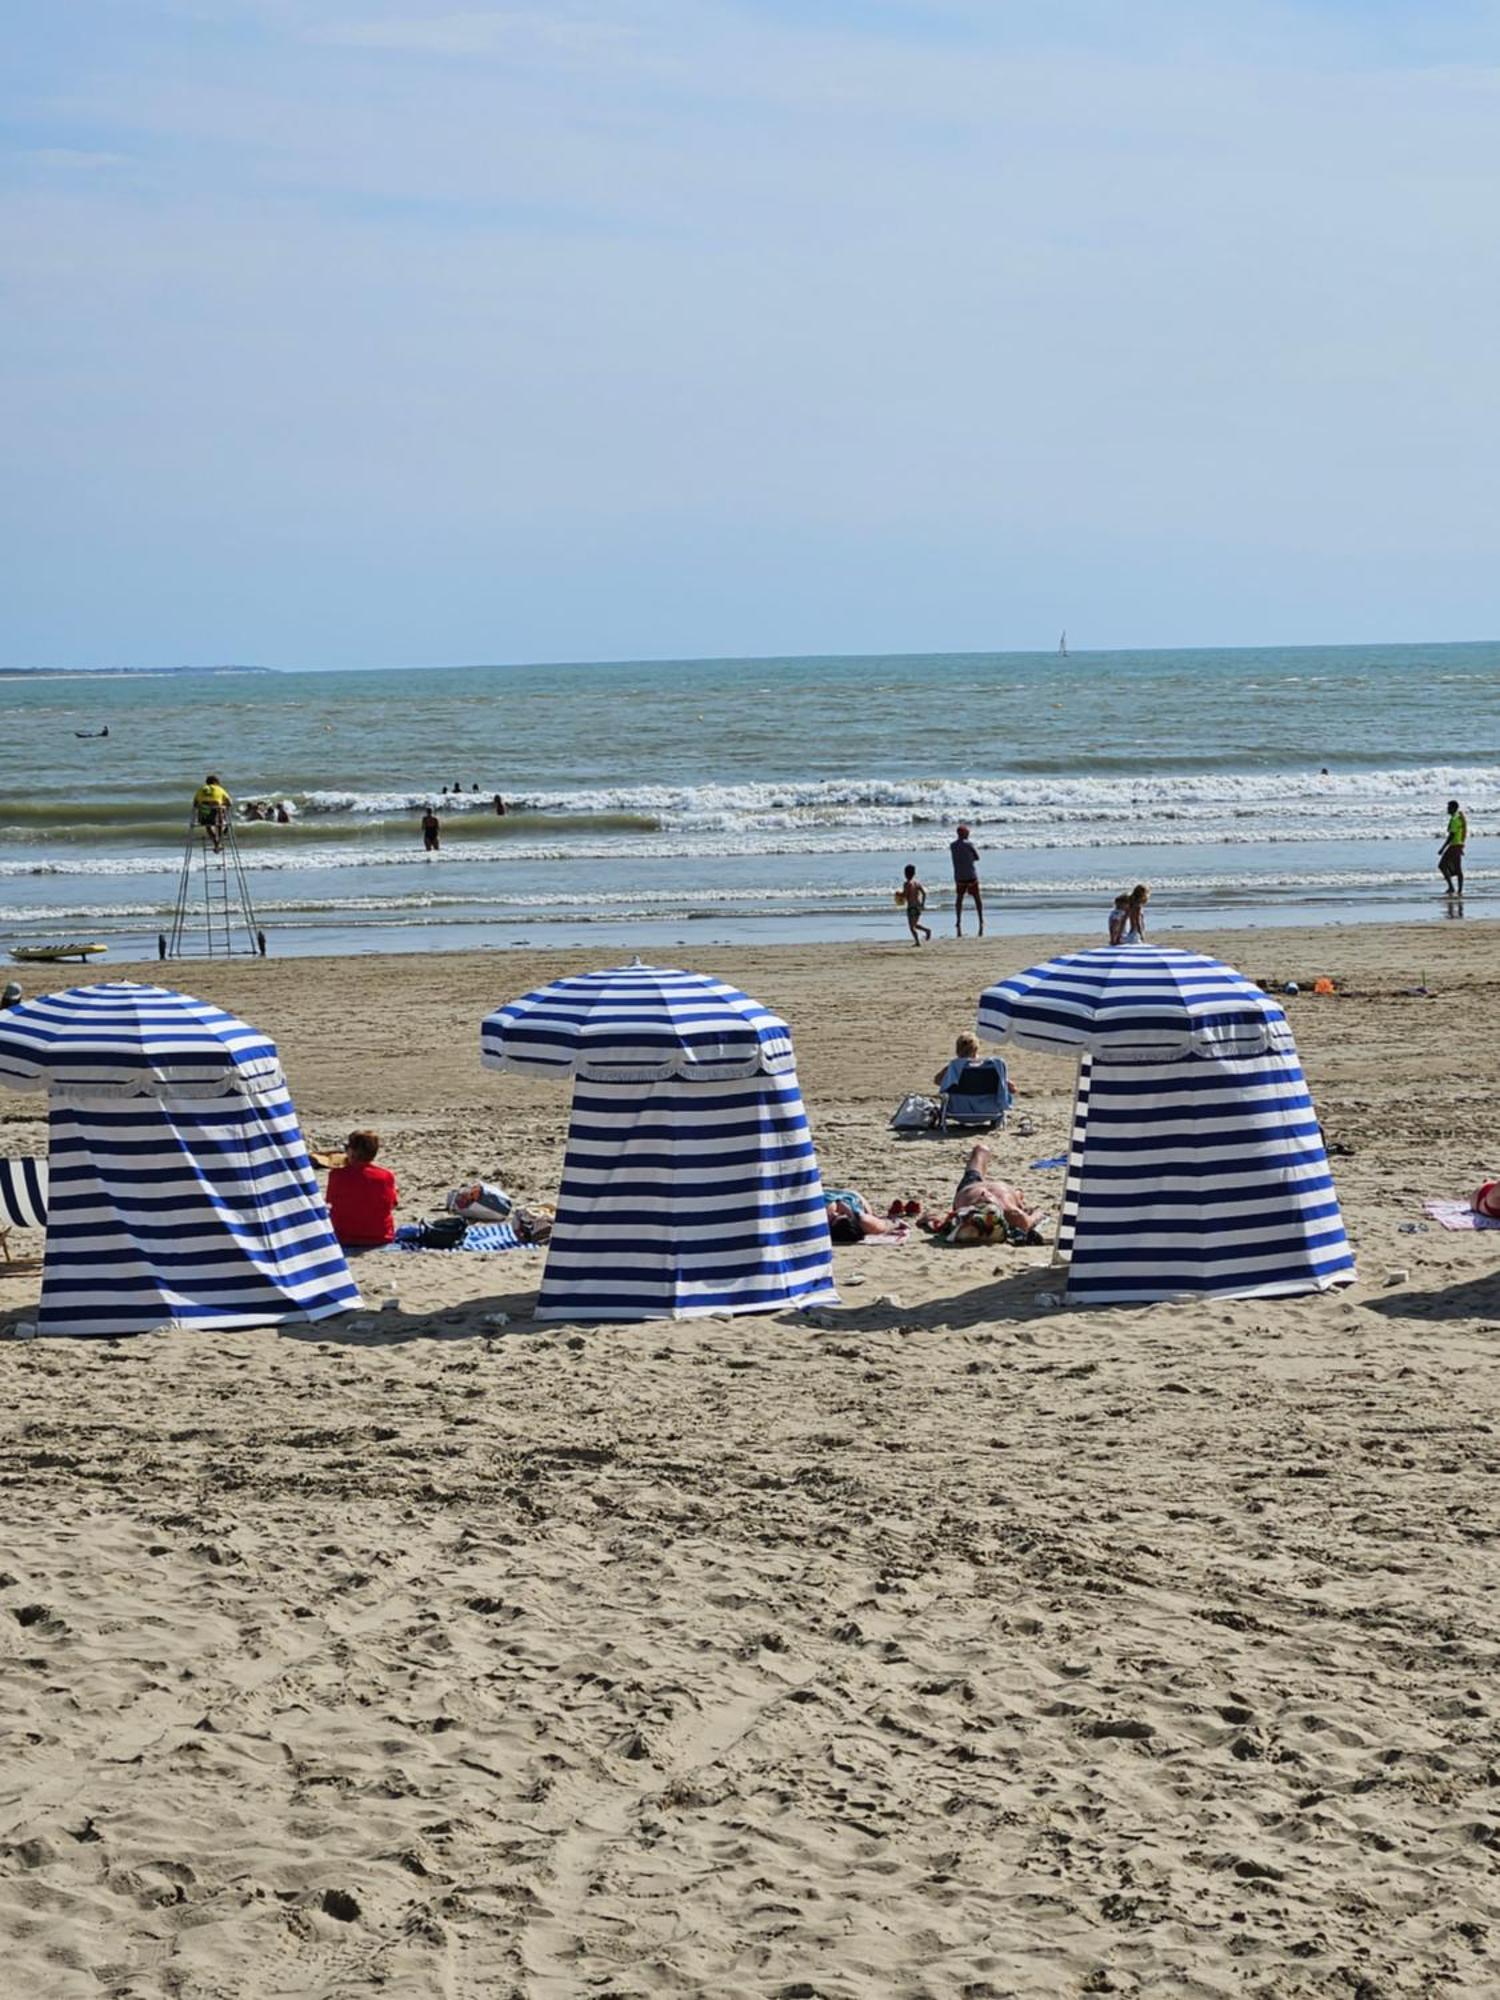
{"x": 972, "y": 1092}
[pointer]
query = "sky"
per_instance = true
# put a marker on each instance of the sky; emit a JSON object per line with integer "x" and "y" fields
{"x": 394, "y": 333}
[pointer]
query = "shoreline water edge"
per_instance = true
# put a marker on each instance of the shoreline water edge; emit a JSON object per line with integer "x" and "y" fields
{"x": 724, "y": 802}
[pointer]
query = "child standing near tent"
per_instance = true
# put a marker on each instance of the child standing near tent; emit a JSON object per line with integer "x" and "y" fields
{"x": 362, "y": 1197}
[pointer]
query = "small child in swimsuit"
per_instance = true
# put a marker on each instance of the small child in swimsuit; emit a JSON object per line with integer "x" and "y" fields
{"x": 915, "y": 898}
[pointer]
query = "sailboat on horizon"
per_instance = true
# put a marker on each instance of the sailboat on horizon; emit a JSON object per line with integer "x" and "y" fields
{"x": 1062, "y": 644}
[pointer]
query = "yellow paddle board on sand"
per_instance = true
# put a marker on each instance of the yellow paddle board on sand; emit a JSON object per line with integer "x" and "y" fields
{"x": 51, "y": 954}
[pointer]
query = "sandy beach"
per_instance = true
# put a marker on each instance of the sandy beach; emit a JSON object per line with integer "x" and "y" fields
{"x": 958, "y": 1645}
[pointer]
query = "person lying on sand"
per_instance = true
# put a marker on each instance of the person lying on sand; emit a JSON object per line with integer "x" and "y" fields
{"x": 978, "y": 1191}
{"x": 851, "y": 1219}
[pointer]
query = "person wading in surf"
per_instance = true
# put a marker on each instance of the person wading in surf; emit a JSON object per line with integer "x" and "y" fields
{"x": 965, "y": 880}
{"x": 1451, "y": 854}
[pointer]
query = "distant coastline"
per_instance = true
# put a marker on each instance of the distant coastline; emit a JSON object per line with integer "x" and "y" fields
{"x": 118, "y": 673}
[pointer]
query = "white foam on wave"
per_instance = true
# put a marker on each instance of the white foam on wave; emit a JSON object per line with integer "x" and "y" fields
{"x": 997, "y": 800}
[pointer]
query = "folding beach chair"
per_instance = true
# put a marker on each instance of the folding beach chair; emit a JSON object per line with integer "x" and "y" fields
{"x": 980, "y": 1095}
{"x": 23, "y": 1198}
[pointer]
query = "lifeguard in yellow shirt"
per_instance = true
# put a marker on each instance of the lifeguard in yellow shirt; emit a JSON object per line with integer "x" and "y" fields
{"x": 211, "y": 809}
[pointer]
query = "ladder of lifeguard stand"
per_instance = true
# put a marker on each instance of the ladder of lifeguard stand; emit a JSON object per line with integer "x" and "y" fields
{"x": 217, "y": 918}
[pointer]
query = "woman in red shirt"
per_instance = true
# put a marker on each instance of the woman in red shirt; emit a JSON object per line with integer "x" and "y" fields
{"x": 361, "y": 1196}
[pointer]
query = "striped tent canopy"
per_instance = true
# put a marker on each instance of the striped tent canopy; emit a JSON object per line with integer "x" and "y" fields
{"x": 118, "y": 1039}
{"x": 637, "y": 1024}
{"x": 180, "y": 1187}
{"x": 1196, "y": 1163}
{"x": 690, "y": 1184}
{"x": 1134, "y": 1003}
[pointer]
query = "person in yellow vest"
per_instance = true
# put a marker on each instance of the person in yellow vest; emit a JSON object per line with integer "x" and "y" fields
{"x": 211, "y": 809}
{"x": 1451, "y": 855}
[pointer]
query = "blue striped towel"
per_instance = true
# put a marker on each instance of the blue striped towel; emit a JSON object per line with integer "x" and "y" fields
{"x": 478, "y": 1236}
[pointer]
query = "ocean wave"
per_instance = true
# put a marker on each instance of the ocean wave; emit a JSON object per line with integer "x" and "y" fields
{"x": 993, "y": 803}
{"x": 905, "y": 801}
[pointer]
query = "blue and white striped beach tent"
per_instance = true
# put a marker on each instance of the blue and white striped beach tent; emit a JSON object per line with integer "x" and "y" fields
{"x": 690, "y": 1184}
{"x": 1196, "y": 1164}
{"x": 180, "y": 1187}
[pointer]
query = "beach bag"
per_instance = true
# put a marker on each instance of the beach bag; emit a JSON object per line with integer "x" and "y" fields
{"x": 493, "y": 1203}
{"x": 915, "y": 1113}
{"x": 443, "y": 1232}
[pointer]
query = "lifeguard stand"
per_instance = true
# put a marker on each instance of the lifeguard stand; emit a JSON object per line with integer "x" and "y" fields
{"x": 214, "y": 917}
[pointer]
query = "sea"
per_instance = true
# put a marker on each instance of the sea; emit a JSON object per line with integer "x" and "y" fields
{"x": 652, "y": 805}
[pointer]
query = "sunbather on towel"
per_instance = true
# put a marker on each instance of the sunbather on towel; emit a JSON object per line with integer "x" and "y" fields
{"x": 1485, "y": 1200}
{"x": 978, "y": 1189}
{"x": 850, "y": 1219}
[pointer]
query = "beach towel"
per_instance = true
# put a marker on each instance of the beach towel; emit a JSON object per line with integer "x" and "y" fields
{"x": 1458, "y": 1215}
{"x": 478, "y": 1236}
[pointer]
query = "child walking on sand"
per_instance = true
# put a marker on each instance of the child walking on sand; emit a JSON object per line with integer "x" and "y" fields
{"x": 914, "y": 896}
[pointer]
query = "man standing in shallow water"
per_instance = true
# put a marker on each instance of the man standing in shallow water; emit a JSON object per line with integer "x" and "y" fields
{"x": 1451, "y": 854}
{"x": 965, "y": 880}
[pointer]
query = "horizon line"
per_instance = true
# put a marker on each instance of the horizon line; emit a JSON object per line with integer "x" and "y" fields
{"x": 732, "y": 659}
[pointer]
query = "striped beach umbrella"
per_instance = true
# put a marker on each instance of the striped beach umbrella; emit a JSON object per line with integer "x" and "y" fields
{"x": 1196, "y": 1163}
{"x": 180, "y": 1187}
{"x": 690, "y": 1184}
{"x": 1134, "y": 1003}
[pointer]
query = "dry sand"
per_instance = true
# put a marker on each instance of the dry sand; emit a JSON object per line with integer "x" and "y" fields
{"x": 966, "y": 1646}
